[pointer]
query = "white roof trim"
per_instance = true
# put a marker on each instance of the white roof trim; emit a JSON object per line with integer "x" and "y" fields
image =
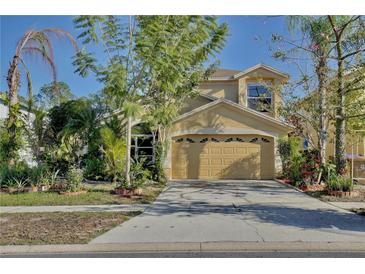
{"x": 235, "y": 105}
{"x": 246, "y": 71}
{"x": 273, "y": 70}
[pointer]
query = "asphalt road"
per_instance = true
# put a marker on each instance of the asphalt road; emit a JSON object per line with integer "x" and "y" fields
{"x": 247, "y": 254}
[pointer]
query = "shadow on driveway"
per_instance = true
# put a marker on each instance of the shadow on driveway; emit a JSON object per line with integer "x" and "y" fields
{"x": 309, "y": 214}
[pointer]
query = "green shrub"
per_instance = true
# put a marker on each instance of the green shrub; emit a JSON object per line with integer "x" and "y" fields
{"x": 292, "y": 158}
{"x": 158, "y": 171}
{"x": 10, "y": 175}
{"x": 40, "y": 175}
{"x": 94, "y": 168}
{"x": 74, "y": 179}
{"x": 340, "y": 183}
{"x": 114, "y": 149}
{"x": 139, "y": 174}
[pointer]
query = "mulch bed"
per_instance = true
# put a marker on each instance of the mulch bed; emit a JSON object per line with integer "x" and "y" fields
{"x": 57, "y": 227}
{"x": 320, "y": 192}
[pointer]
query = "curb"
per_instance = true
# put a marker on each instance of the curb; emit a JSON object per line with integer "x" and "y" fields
{"x": 75, "y": 208}
{"x": 290, "y": 186}
{"x": 186, "y": 247}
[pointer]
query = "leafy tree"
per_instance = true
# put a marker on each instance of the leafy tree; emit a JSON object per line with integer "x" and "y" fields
{"x": 154, "y": 61}
{"x": 324, "y": 103}
{"x": 37, "y": 43}
{"x": 73, "y": 126}
{"x": 348, "y": 34}
{"x": 315, "y": 47}
{"x": 114, "y": 149}
{"x": 54, "y": 94}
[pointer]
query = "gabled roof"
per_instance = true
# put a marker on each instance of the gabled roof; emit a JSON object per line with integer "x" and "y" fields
{"x": 239, "y": 108}
{"x": 224, "y": 74}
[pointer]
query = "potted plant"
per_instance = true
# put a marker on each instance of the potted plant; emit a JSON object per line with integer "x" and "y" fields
{"x": 31, "y": 188}
{"x": 340, "y": 186}
{"x": 139, "y": 176}
{"x": 43, "y": 183}
{"x": 19, "y": 184}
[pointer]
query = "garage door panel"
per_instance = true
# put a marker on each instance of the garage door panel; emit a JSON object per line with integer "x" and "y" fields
{"x": 215, "y": 150}
{"x": 205, "y": 151}
{"x": 216, "y": 172}
{"x": 241, "y": 150}
{"x": 222, "y": 160}
{"x": 204, "y": 161}
{"x": 252, "y": 150}
{"x": 228, "y": 161}
{"x": 228, "y": 150}
{"x": 179, "y": 173}
{"x": 204, "y": 173}
{"x": 216, "y": 162}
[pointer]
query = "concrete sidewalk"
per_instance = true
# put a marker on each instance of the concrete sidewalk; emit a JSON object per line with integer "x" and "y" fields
{"x": 77, "y": 208}
{"x": 186, "y": 247}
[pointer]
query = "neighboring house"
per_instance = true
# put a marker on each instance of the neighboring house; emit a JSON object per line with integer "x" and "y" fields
{"x": 223, "y": 134}
{"x": 3, "y": 109}
{"x": 355, "y": 142}
{"x": 355, "y": 148}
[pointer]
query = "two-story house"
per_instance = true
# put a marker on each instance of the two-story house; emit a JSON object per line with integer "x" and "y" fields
{"x": 226, "y": 132}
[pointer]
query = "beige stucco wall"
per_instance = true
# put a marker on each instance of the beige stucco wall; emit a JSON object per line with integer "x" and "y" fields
{"x": 227, "y": 120}
{"x": 221, "y": 89}
{"x": 193, "y": 103}
{"x": 358, "y": 142}
{"x": 236, "y": 90}
{"x": 222, "y": 118}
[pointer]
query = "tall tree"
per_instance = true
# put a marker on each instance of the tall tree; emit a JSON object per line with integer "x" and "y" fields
{"x": 155, "y": 61}
{"x": 318, "y": 31}
{"x": 37, "y": 43}
{"x": 349, "y": 43}
{"x": 309, "y": 48}
{"x": 177, "y": 53}
{"x": 54, "y": 94}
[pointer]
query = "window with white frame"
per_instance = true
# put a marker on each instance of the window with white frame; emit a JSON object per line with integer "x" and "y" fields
{"x": 258, "y": 97}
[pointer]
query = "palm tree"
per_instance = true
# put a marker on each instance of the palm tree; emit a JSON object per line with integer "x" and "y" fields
{"x": 317, "y": 29}
{"x": 132, "y": 110}
{"x": 37, "y": 43}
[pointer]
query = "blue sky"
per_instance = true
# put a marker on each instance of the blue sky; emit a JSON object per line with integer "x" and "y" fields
{"x": 246, "y": 46}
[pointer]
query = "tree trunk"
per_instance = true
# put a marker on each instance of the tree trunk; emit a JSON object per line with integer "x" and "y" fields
{"x": 128, "y": 152}
{"x": 13, "y": 79}
{"x": 322, "y": 140}
{"x": 340, "y": 117}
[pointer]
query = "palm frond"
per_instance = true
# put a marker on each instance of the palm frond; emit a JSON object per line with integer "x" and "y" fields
{"x": 62, "y": 34}
{"x": 44, "y": 54}
{"x": 29, "y": 85}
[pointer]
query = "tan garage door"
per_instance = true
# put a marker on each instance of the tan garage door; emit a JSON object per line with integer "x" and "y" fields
{"x": 222, "y": 157}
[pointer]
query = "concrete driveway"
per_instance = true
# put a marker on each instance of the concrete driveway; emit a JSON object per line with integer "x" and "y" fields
{"x": 249, "y": 211}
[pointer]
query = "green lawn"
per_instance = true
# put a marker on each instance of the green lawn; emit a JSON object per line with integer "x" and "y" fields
{"x": 57, "y": 227}
{"x": 97, "y": 195}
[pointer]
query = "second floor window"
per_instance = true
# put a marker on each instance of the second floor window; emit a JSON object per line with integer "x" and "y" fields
{"x": 258, "y": 98}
